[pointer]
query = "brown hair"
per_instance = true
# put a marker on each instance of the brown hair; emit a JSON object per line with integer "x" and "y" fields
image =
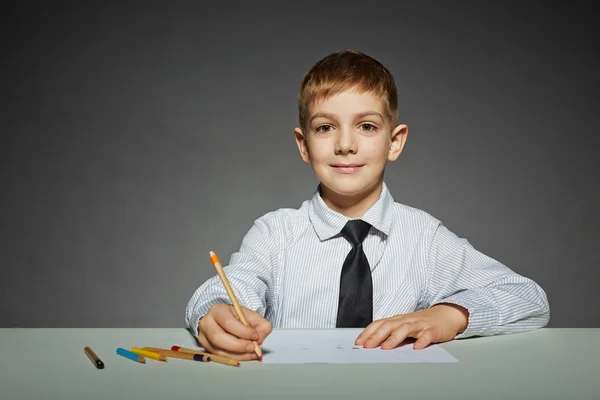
{"x": 345, "y": 70}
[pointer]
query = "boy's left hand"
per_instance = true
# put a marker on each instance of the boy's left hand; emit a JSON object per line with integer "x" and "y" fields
{"x": 437, "y": 324}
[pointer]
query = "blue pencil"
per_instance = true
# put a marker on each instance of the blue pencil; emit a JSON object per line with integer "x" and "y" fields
{"x": 130, "y": 355}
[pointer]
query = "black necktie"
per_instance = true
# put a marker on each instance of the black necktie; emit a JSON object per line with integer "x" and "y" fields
{"x": 355, "y": 308}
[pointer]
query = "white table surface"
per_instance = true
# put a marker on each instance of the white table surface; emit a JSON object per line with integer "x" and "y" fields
{"x": 51, "y": 364}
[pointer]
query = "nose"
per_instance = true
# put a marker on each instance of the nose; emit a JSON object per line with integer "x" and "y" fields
{"x": 345, "y": 142}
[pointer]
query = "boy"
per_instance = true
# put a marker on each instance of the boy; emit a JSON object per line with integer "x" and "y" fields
{"x": 351, "y": 256}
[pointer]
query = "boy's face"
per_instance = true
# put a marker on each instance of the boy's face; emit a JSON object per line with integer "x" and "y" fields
{"x": 348, "y": 141}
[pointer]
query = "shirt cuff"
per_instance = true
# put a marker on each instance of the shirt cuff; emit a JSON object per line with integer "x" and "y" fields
{"x": 483, "y": 316}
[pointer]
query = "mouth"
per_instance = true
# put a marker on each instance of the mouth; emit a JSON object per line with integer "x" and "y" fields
{"x": 347, "y": 168}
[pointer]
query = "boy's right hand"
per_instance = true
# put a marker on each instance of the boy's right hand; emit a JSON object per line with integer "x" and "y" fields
{"x": 221, "y": 332}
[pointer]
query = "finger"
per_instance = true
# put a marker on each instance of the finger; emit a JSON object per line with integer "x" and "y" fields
{"x": 384, "y": 331}
{"x": 219, "y": 338}
{"x": 262, "y": 325}
{"x": 234, "y": 356}
{"x": 424, "y": 340}
{"x": 368, "y": 331}
{"x": 236, "y": 327}
{"x": 406, "y": 330}
{"x": 206, "y": 345}
{"x": 204, "y": 341}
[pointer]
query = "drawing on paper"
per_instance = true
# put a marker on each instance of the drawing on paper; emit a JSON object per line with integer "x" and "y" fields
{"x": 311, "y": 346}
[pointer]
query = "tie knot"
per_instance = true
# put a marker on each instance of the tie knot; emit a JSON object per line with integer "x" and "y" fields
{"x": 356, "y": 231}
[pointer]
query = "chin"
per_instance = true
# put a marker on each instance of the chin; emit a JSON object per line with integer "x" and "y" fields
{"x": 346, "y": 190}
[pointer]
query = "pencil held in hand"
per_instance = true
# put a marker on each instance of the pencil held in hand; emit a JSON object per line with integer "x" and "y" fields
{"x": 234, "y": 301}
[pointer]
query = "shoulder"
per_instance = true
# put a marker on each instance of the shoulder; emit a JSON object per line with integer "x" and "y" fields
{"x": 413, "y": 227}
{"x": 421, "y": 227}
{"x": 280, "y": 226}
{"x": 408, "y": 215}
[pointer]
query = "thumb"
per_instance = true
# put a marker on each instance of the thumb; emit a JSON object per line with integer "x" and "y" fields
{"x": 261, "y": 324}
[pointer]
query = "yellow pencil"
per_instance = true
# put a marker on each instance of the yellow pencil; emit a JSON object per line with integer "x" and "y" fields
{"x": 234, "y": 300}
{"x": 148, "y": 354}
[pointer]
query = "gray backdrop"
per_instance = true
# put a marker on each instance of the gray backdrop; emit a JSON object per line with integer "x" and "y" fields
{"x": 137, "y": 138}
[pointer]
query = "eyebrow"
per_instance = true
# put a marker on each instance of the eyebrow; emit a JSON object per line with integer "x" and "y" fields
{"x": 360, "y": 115}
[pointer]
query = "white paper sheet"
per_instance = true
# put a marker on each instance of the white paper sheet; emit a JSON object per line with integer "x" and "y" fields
{"x": 306, "y": 346}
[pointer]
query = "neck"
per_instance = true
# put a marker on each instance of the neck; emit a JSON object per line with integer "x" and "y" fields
{"x": 354, "y": 206}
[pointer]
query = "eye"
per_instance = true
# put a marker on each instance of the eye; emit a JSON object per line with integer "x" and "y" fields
{"x": 323, "y": 128}
{"x": 368, "y": 127}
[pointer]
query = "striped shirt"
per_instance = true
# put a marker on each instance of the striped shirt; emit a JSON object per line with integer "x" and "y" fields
{"x": 289, "y": 264}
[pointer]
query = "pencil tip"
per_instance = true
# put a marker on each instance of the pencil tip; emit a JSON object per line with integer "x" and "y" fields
{"x": 260, "y": 358}
{"x": 211, "y": 253}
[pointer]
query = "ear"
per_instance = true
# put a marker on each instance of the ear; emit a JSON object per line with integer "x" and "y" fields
{"x": 302, "y": 142}
{"x": 399, "y": 135}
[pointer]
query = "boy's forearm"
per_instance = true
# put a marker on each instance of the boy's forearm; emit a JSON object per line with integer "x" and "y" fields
{"x": 502, "y": 308}
{"x": 498, "y": 299}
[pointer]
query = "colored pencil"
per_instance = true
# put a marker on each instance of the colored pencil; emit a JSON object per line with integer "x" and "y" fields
{"x": 148, "y": 354}
{"x": 179, "y": 354}
{"x": 93, "y": 357}
{"x": 234, "y": 300}
{"x": 132, "y": 356}
{"x": 213, "y": 357}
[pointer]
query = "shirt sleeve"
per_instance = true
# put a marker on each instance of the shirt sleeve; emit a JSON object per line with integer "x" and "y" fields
{"x": 499, "y": 301}
{"x": 250, "y": 273}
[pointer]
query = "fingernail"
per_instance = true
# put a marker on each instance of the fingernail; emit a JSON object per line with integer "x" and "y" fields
{"x": 250, "y": 347}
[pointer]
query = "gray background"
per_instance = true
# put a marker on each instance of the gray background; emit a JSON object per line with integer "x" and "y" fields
{"x": 136, "y": 138}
